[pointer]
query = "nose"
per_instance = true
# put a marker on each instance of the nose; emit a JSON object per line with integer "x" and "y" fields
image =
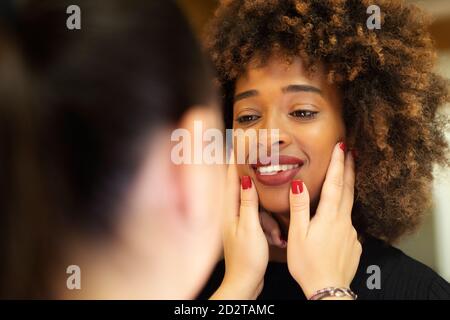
{"x": 277, "y": 137}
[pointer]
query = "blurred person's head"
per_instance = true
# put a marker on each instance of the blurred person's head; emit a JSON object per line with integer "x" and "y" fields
{"x": 86, "y": 175}
{"x": 317, "y": 73}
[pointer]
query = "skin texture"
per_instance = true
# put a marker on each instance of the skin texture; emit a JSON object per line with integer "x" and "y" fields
{"x": 310, "y": 137}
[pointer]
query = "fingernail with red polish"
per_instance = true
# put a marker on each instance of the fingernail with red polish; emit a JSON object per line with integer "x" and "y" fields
{"x": 246, "y": 182}
{"x": 354, "y": 153}
{"x": 297, "y": 186}
{"x": 342, "y": 146}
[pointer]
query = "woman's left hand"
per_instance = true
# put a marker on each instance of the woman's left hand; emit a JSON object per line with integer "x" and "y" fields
{"x": 324, "y": 251}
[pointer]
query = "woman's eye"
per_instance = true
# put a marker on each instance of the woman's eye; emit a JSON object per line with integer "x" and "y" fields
{"x": 247, "y": 118}
{"x": 303, "y": 114}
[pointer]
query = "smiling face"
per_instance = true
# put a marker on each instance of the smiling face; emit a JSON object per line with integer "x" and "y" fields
{"x": 306, "y": 110}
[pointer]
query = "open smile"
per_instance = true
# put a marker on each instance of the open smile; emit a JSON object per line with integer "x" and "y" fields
{"x": 279, "y": 174}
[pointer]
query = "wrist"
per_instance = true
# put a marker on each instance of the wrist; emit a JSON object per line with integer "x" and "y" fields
{"x": 239, "y": 289}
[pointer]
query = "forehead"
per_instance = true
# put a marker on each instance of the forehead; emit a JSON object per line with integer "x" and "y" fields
{"x": 278, "y": 72}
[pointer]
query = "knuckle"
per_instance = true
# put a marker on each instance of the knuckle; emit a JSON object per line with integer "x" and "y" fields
{"x": 275, "y": 233}
{"x": 336, "y": 182}
{"x": 350, "y": 187}
{"x": 246, "y": 203}
{"x": 299, "y": 206}
{"x": 333, "y": 217}
{"x": 330, "y": 196}
{"x": 353, "y": 234}
{"x": 348, "y": 219}
{"x": 358, "y": 247}
{"x": 340, "y": 161}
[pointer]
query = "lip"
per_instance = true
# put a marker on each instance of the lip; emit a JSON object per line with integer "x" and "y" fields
{"x": 281, "y": 177}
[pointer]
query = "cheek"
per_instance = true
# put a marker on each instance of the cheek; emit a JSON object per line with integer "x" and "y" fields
{"x": 314, "y": 172}
{"x": 241, "y": 151}
{"x": 317, "y": 142}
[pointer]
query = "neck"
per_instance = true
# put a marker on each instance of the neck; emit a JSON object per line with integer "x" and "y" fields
{"x": 279, "y": 254}
{"x": 112, "y": 272}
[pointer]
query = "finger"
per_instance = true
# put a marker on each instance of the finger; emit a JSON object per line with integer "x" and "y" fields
{"x": 232, "y": 194}
{"x": 269, "y": 239}
{"x": 330, "y": 197}
{"x": 271, "y": 229}
{"x": 300, "y": 214}
{"x": 349, "y": 185}
{"x": 248, "y": 212}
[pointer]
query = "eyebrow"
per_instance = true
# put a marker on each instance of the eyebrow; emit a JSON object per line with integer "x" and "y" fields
{"x": 288, "y": 89}
{"x": 301, "y": 87}
{"x": 245, "y": 94}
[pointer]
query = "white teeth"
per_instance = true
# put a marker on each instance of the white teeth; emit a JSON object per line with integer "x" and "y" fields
{"x": 270, "y": 170}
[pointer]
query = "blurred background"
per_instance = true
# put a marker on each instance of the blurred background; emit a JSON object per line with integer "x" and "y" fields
{"x": 431, "y": 244}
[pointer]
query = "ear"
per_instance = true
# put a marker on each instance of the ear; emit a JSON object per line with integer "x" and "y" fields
{"x": 167, "y": 196}
{"x": 197, "y": 183}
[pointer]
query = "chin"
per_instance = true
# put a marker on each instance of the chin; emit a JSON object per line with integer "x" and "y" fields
{"x": 276, "y": 201}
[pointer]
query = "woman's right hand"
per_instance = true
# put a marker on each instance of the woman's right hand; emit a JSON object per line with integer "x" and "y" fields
{"x": 246, "y": 249}
{"x": 324, "y": 251}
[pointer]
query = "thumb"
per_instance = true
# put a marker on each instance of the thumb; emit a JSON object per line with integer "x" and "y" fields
{"x": 249, "y": 214}
{"x": 299, "y": 206}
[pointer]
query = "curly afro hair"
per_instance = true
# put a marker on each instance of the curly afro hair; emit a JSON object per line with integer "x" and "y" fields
{"x": 390, "y": 93}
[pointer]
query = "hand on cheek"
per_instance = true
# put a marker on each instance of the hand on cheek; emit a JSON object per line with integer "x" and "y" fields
{"x": 246, "y": 249}
{"x": 324, "y": 251}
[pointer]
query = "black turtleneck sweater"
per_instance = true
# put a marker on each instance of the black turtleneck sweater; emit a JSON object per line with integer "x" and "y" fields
{"x": 401, "y": 277}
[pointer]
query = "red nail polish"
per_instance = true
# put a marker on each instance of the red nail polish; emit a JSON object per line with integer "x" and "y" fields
{"x": 342, "y": 146}
{"x": 354, "y": 153}
{"x": 297, "y": 186}
{"x": 246, "y": 182}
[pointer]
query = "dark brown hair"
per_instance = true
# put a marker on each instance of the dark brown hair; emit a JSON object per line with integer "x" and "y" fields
{"x": 390, "y": 92}
{"x": 75, "y": 109}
